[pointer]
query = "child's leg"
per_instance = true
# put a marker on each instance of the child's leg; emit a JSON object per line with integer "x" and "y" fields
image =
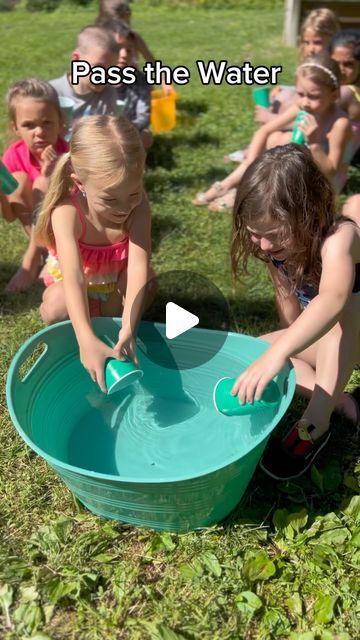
{"x": 22, "y": 206}
{"x": 53, "y": 307}
{"x": 323, "y": 369}
{"x": 28, "y": 270}
{"x": 278, "y": 138}
{"x": 351, "y": 208}
{"x": 114, "y": 305}
{"x": 21, "y": 201}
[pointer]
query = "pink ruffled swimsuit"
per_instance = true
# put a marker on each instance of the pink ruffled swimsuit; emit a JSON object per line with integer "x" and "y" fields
{"x": 102, "y": 265}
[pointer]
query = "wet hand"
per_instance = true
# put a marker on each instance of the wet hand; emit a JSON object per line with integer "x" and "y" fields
{"x": 93, "y": 354}
{"x": 310, "y": 128}
{"x": 126, "y": 346}
{"x": 251, "y": 384}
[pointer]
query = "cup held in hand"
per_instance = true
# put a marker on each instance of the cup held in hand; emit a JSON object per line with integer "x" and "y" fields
{"x": 8, "y": 184}
{"x": 229, "y": 405}
{"x": 261, "y": 96}
{"x": 67, "y": 108}
{"x": 120, "y": 373}
{"x": 120, "y": 106}
{"x": 297, "y": 136}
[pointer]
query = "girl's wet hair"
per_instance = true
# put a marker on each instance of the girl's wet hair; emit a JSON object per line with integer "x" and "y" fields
{"x": 31, "y": 88}
{"x": 105, "y": 147}
{"x": 349, "y": 39}
{"x": 113, "y": 9}
{"x": 321, "y": 69}
{"x": 285, "y": 189}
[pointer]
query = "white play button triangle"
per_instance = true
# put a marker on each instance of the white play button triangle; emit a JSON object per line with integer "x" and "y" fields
{"x": 178, "y": 320}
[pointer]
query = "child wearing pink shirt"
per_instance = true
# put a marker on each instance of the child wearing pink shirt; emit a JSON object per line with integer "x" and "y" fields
{"x": 36, "y": 119}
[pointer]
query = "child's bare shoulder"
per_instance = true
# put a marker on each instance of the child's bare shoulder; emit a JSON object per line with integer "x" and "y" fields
{"x": 344, "y": 236}
{"x": 65, "y": 214}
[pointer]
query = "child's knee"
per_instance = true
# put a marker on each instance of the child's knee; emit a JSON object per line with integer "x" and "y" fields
{"x": 52, "y": 308}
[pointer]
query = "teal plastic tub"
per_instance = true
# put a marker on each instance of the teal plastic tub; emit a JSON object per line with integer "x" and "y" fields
{"x": 156, "y": 454}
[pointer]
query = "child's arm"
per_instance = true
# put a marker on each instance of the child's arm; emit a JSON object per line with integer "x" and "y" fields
{"x": 137, "y": 277}
{"x": 258, "y": 144}
{"x": 6, "y": 209}
{"x": 142, "y": 48}
{"x": 93, "y": 352}
{"x": 340, "y": 134}
{"x": 322, "y": 313}
{"x": 287, "y": 304}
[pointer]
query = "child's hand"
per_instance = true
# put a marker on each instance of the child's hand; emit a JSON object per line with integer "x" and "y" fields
{"x": 93, "y": 353}
{"x": 48, "y": 161}
{"x": 126, "y": 346}
{"x": 251, "y": 384}
{"x": 262, "y": 115}
{"x": 310, "y": 129}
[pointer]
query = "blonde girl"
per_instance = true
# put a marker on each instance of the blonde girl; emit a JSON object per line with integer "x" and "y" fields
{"x": 326, "y": 129}
{"x": 285, "y": 215}
{"x": 36, "y": 119}
{"x": 95, "y": 219}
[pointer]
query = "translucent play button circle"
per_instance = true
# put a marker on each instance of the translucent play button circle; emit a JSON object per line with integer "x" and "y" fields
{"x": 185, "y": 302}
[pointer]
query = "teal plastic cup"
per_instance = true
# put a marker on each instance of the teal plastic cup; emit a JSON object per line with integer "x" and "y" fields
{"x": 297, "y": 135}
{"x": 67, "y": 108}
{"x": 8, "y": 184}
{"x": 120, "y": 106}
{"x": 229, "y": 405}
{"x": 120, "y": 374}
{"x": 261, "y": 96}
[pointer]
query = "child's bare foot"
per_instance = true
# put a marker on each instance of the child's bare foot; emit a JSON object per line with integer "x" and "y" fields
{"x": 224, "y": 203}
{"x": 204, "y": 197}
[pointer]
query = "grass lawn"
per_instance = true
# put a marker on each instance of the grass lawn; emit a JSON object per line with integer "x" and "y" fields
{"x": 284, "y": 564}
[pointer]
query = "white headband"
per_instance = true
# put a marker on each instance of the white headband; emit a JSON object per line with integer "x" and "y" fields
{"x": 320, "y": 66}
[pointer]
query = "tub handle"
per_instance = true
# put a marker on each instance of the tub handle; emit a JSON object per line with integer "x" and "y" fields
{"x": 28, "y": 354}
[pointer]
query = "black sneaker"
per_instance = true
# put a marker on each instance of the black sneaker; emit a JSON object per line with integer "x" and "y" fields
{"x": 290, "y": 457}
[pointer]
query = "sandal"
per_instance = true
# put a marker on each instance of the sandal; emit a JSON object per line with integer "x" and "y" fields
{"x": 290, "y": 457}
{"x": 201, "y": 199}
{"x": 225, "y": 203}
{"x": 235, "y": 156}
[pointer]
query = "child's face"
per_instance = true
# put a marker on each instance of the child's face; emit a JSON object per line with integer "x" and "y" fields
{"x": 314, "y": 98}
{"x": 37, "y": 123}
{"x": 314, "y": 42}
{"x": 115, "y": 204}
{"x": 126, "y": 51}
{"x": 266, "y": 236}
{"x": 349, "y": 67}
{"x": 97, "y": 58}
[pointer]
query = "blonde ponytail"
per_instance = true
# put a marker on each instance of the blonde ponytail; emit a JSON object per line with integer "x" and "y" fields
{"x": 59, "y": 188}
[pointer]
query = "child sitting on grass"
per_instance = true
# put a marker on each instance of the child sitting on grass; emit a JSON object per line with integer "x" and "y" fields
{"x": 136, "y": 97}
{"x": 316, "y": 32}
{"x": 326, "y": 129}
{"x": 345, "y": 49}
{"x": 36, "y": 119}
{"x": 96, "y": 46}
{"x": 285, "y": 215}
{"x": 120, "y": 10}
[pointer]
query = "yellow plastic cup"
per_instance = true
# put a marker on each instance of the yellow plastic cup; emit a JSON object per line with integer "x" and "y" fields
{"x": 163, "y": 110}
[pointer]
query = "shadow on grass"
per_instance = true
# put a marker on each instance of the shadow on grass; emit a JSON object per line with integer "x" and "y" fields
{"x": 15, "y": 303}
{"x": 163, "y": 228}
{"x": 161, "y": 153}
{"x": 319, "y": 491}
